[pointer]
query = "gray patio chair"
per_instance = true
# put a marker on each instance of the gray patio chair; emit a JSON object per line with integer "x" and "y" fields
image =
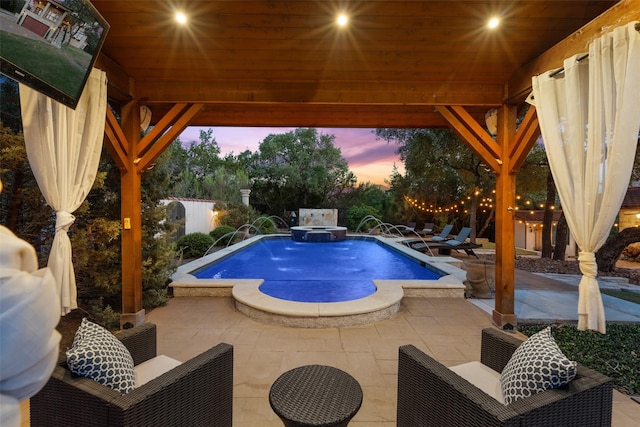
{"x": 444, "y": 234}
{"x": 199, "y": 392}
{"x": 430, "y": 394}
{"x": 427, "y": 229}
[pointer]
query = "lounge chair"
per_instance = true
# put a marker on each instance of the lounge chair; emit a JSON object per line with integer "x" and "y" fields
{"x": 444, "y": 247}
{"x": 444, "y": 234}
{"x": 427, "y": 229}
{"x": 431, "y": 394}
{"x": 198, "y": 392}
{"x": 410, "y": 228}
{"x": 460, "y": 238}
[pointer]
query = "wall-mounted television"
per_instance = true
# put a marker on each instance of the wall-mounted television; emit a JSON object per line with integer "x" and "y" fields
{"x": 51, "y": 45}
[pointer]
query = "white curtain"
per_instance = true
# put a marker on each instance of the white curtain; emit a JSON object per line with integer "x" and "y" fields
{"x": 590, "y": 122}
{"x": 63, "y": 147}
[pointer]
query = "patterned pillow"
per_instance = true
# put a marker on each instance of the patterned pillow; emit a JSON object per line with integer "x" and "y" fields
{"x": 97, "y": 354}
{"x": 537, "y": 365}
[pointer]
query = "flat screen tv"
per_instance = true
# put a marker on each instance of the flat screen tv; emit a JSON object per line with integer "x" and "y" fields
{"x": 51, "y": 45}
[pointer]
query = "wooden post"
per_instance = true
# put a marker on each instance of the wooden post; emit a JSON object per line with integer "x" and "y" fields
{"x": 504, "y": 311}
{"x": 131, "y": 221}
{"x": 134, "y": 155}
{"x": 504, "y": 157}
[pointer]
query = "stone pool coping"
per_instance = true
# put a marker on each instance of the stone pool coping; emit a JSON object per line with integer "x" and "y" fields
{"x": 380, "y": 305}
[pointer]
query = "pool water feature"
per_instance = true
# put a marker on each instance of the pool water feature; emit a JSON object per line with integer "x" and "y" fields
{"x": 318, "y": 272}
{"x": 314, "y": 233}
{"x": 383, "y": 303}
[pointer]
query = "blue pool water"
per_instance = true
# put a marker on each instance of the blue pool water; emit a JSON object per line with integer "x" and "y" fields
{"x": 317, "y": 272}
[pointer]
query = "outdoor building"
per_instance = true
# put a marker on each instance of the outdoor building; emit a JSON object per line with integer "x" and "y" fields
{"x": 528, "y": 231}
{"x": 44, "y": 18}
{"x": 196, "y": 215}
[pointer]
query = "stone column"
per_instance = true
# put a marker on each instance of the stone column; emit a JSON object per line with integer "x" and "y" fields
{"x": 245, "y": 196}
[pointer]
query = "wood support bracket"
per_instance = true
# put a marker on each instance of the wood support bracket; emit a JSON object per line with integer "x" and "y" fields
{"x": 476, "y": 136}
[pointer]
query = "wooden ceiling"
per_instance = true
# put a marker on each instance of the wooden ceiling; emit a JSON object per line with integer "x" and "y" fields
{"x": 287, "y": 63}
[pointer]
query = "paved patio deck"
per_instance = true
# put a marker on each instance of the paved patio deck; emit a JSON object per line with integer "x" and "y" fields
{"x": 447, "y": 328}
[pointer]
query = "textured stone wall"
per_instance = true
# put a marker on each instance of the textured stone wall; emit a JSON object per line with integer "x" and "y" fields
{"x": 318, "y": 217}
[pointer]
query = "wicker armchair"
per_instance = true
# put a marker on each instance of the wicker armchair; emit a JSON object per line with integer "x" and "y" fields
{"x": 430, "y": 394}
{"x": 198, "y": 392}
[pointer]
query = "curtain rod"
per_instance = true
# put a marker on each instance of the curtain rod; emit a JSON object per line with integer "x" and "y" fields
{"x": 555, "y": 73}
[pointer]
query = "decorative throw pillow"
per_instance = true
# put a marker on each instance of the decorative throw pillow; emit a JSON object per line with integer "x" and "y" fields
{"x": 537, "y": 365}
{"x": 97, "y": 354}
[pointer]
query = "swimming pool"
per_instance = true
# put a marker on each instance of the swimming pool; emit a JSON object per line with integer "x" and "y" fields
{"x": 318, "y": 272}
{"x": 383, "y": 303}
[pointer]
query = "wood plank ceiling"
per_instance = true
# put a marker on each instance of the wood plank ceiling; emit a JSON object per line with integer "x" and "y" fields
{"x": 287, "y": 63}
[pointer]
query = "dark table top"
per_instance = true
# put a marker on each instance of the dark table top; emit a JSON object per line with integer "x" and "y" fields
{"x": 315, "y": 395}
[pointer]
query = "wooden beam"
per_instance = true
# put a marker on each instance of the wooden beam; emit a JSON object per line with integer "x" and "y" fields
{"x": 525, "y": 138}
{"x": 160, "y": 127}
{"x": 172, "y": 128}
{"x": 324, "y": 92}
{"x": 115, "y": 140}
{"x": 621, "y": 13}
{"x": 476, "y": 136}
{"x": 318, "y": 115}
{"x": 118, "y": 81}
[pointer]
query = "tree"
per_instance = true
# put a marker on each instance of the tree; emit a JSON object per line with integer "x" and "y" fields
{"x": 609, "y": 253}
{"x": 10, "y": 104}
{"x": 95, "y": 234}
{"x": 13, "y": 6}
{"x": 440, "y": 170}
{"x": 297, "y": 169}
{"x": 198, "y": 171}
{"x": 203, "y": 157}
{"x": 21, "y": 202}
{"x": 562, "y": 237}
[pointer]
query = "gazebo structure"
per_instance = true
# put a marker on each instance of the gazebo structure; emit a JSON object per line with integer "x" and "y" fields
{"x": 398, "y": 63}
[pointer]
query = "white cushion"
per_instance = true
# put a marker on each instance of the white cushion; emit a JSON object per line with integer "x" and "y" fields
{"x": 481, "y": 376}
{"x": 153, "y": 368}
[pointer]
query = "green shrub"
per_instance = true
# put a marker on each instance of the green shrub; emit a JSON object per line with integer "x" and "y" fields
{"x": 103, "y": 314}
{"x": 265, "y": 225}
{"x": 237, "y": 215}
{"x": 194, "y": 245}
{"x": 356, "y": 214}
{"x": 220, "y": 231}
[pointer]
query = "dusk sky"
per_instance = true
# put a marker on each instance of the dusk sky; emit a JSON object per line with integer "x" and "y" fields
{"x": 369, "y": 159}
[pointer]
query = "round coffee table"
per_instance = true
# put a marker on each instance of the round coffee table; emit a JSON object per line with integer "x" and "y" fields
{"x": 315, "y": 395}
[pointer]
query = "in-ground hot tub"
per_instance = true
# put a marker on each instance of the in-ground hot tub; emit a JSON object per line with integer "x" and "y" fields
{"x": 318, "y": 233}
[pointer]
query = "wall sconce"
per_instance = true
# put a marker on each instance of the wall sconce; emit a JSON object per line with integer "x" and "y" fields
{"x": 145, "y": 117}
{"x": 491, "y": 120}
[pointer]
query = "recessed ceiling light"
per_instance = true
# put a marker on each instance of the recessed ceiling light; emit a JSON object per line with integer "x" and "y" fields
{"x": 493, "y": 22}
{"x": 181, "y": 18}
{"x": 342, "y": 20}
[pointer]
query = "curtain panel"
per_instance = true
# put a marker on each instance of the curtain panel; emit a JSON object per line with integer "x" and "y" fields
{"x": 590, "y": 123}
{"x": 63, "y": 147}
